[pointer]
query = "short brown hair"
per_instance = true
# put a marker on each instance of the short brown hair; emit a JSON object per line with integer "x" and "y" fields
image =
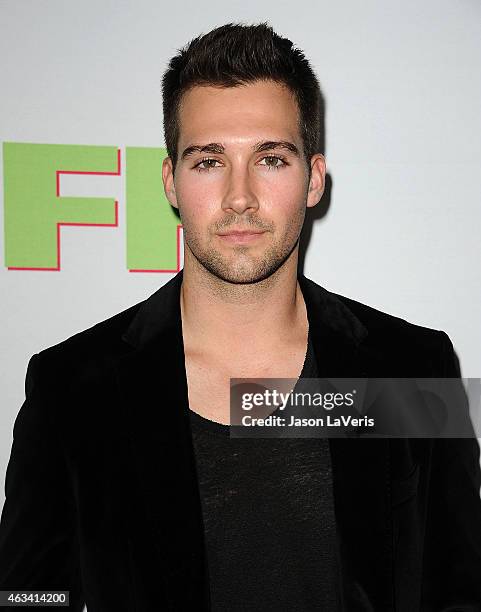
{"x": 236, "y": 54}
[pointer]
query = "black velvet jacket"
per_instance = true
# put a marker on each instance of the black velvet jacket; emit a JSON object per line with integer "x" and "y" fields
{"x": 101, "y": 491}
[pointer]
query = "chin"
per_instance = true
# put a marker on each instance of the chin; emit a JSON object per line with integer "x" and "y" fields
{"x": 242, "y": 278}
{"x": 242, "y": 267}
{"x": 241, "y": 274}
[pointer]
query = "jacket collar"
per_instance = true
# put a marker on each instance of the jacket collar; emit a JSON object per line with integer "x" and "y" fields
{"x": 156, "y": 315}
{"x": 154, "y": 399}
{"x": 327, "y": 314}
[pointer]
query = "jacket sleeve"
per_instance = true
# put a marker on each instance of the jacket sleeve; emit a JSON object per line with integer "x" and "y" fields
{"x": 452, "y": 555}
{"x": 38, "y": 542}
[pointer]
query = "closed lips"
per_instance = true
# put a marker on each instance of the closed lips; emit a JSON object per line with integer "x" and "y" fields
{"x": 240, "y": 233}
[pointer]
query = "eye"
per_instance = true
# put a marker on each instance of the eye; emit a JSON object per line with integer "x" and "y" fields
{"x": 275, "y": 158}
{"x": 209, "y": 161}
{"x": 199, "y": 167}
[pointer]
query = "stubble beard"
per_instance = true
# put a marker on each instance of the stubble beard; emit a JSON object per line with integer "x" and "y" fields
{"x": 238, "y": 264}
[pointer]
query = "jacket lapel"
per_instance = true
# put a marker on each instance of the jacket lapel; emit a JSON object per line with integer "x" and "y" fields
{"x": 360, "y": 467}
{"x": 153, "y": 391}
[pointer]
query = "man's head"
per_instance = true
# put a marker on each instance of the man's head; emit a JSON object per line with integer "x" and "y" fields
{"x": 240, "y": 90}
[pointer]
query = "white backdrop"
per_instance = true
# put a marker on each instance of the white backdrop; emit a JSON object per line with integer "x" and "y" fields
{"x": 403, "y": 93}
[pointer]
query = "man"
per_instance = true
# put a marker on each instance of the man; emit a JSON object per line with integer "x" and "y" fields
{"x": 123, "y": 487}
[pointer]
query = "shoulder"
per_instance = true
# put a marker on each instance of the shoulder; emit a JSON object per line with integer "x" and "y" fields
{"x": 386, "y": 326}
{"x": 406, "y": 345}
{"x": 89, "y": 350}
{"x": 427, "y": 349}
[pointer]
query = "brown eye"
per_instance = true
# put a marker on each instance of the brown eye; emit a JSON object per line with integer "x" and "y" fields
{"x": 207, "y": 160}
{"x": 275, "y": 159}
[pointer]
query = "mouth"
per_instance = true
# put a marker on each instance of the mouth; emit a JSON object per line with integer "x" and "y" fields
{"x": 240, "y": 236}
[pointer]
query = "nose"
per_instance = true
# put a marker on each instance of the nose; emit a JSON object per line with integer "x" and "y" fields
{"x": 239, "y": 195}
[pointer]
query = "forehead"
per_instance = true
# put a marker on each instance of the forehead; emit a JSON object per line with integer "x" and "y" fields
{"x": 245, "y": 112}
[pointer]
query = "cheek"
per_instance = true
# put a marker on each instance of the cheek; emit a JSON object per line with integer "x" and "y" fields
{"x": 197, "y": 202}
{"x": 284, "y": 202}
{"x": 281, "y": 198}
{"x": 284, "y": 186}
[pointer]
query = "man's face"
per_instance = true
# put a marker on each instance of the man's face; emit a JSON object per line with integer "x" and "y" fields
{"x": 239, "y": 182}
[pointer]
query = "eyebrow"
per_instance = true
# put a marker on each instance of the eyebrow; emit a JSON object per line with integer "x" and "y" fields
{"x": 264, "y": 145}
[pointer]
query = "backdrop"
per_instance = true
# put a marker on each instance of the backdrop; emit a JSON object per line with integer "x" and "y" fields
{"x": 84, "y": 236}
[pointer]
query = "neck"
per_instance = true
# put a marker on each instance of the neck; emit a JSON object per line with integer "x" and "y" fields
{"x": 226, "y": 318}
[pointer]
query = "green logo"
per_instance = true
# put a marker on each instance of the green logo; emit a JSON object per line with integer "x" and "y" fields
{"x": 35, "y": 211}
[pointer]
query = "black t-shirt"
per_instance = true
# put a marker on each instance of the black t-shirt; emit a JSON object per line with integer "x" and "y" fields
{"x": 269, "y": 520}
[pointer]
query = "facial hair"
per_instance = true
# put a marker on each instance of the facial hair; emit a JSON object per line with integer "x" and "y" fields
{"x": 238, "y": 264}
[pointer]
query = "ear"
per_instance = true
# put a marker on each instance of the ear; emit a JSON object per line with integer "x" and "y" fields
{"x": 318, "y": 179}
{"x": 168, "y": 180}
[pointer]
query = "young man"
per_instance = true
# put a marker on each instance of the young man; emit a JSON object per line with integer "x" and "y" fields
{"x": 123, "y": 485}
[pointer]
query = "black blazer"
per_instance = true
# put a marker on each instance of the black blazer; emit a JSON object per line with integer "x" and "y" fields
{"x": 101, "y": 491}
